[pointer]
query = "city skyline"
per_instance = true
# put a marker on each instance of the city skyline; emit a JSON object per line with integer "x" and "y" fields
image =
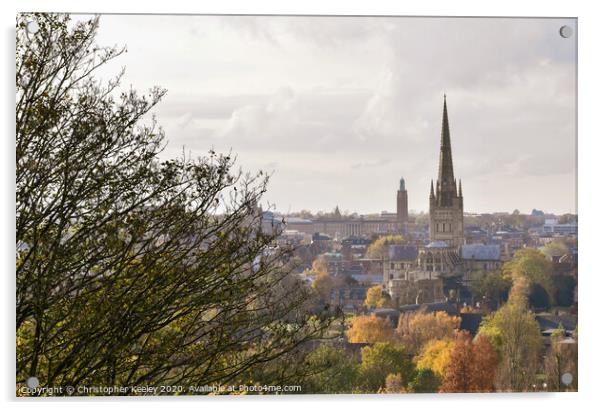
{"x": 340, "y": 108}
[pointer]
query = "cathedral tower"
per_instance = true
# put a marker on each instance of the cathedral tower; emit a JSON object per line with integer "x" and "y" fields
{"x": 446, "y": 203}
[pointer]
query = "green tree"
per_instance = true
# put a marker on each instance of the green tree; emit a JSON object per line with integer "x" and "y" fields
{"x": 132, "y": 270}
{"x": 424, "y": 381}
{"x": 332, "y": 371}
{"x": 533, "y": 266}
{"x": 383, "y": 359}
{"x": 493, "y": 286}
{"x": 538, "y": 297}
{"x": 323, "y": 285}
{"x": 515, "y": 335}
{"x": 565, "y": 288}
{"x": 555, "y": 249}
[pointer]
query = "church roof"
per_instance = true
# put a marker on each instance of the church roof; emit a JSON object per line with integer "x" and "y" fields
{"x": 437, "y": 244}
{"x": 403, "y": 252}
{"x": 481, "y": 252}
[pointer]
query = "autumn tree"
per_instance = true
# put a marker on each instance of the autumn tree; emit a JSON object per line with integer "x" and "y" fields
{"x": 129, "y": 269}
{"x": 472, "y": 366}
{"x": 379, "y": 249}
{"x": 375, "y": 298}
{"x": 370, "y": 329}
{"x": 423, "y": 327}
{"x": 561, "y": 358}
{"x": 380, "y": 360}
{"x": 457, "y": 375}
{"x": 484, "y": 365}
{"x": 320, "y": 265}
{"x": 532, "y": 265}
{"x": 515, "y": 334}
{"x": 435, "y": 355}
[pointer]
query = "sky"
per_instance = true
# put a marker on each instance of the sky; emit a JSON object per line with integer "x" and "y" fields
{"x": 338, "y": 109}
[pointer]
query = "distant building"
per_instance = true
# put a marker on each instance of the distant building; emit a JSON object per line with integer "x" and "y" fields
{"x": 404, "y": 292}
{"x": 551, "y": 226}
{"x": 402, "y": 259}
{"x": 270, "y": 224}
{"x": 479, "y": 257}
{"x": 446, "y": 201}
{"x": 345, "y": 226}
{"x": 402, "y": 203}
{"x": 349, "y": 298}
{"x": 355, "y": 246}
{"x": 415, "y": 274}
{"x": 299, "y": 224}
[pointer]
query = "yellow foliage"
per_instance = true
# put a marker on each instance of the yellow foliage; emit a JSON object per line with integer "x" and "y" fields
{"x": 435, "y": 355}
{"x": 380, "y": 247}
{"x": 423, "y": 327}
{"x": 375, "y": 298}
{"x": 320, "y": 265}
{"x": 370, "y": 329}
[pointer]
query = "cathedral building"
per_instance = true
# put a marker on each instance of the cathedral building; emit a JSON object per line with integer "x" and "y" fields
{"x": 415, "y": 274}
{"x": 446, "y": 202}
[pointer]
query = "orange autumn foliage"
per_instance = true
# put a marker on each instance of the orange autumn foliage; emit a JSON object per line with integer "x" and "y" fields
{"x": 472, "y": 366}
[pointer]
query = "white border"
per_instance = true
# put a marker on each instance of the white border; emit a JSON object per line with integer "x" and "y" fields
{"x": 590, "y": 151}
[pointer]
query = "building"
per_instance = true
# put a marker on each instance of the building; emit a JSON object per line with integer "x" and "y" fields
{"x": 406, "y": 292}
{"x": 350, "y": 298}
{"x": 402, "y": 203}
{"x": 402, "y": 259}
{"x": 299, "y": 224}
{"x": 414, "y": 274}
{"x": 551, "y": 226}
{"x": 481, "y": 258}
{"x": 446, "y": 202}
{"x": 341, "y": 227}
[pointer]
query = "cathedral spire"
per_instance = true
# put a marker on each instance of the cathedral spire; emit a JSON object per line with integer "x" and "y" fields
{"x": 446, "y": 168}
{"x": 446, "y": 205}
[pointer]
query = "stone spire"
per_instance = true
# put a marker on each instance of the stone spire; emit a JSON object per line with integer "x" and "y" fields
{"x": 460, "y": 189}
{"x": 446, "y": 168}
{"x": 432, "y": 189}
{"x": 446, "y": 184}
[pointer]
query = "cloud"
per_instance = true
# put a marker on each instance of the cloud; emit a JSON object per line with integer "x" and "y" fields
{"x": 373, "y": 164}
{"x": 340, "y": 106}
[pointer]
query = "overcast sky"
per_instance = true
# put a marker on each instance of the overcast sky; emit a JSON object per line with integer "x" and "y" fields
{"x": 339, "y": 108}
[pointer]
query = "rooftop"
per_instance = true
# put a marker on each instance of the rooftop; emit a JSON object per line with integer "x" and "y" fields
{"x": 403, "y": 252}
{"x": 437, "y": 244}
{"x": 481, "y": 252}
